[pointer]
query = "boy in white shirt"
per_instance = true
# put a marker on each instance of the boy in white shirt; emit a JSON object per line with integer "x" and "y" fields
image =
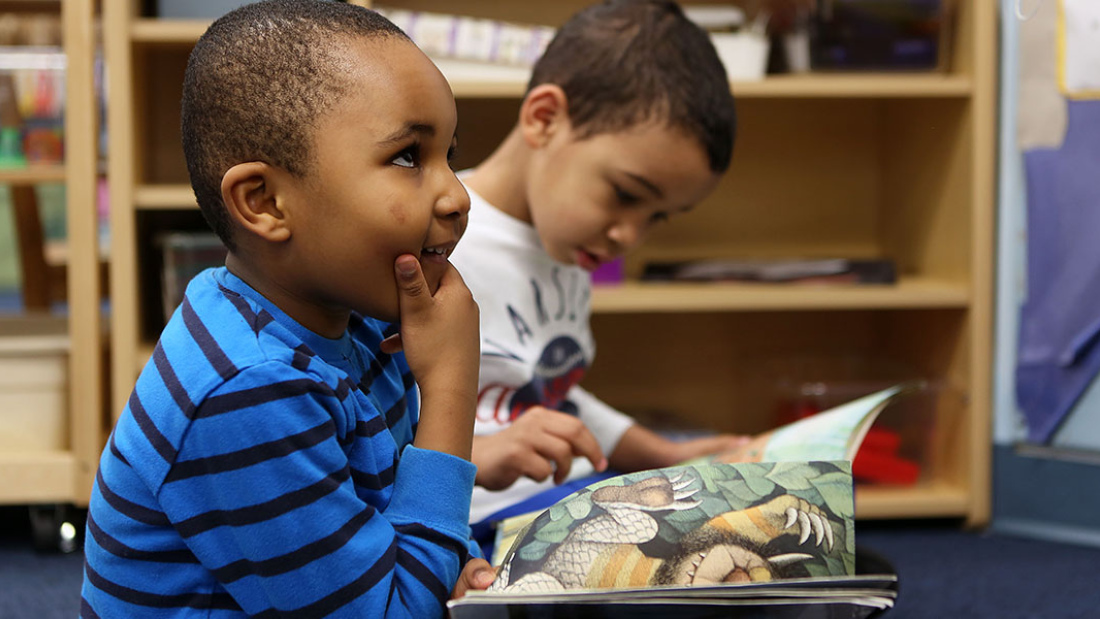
{"x": 628, "y": 120}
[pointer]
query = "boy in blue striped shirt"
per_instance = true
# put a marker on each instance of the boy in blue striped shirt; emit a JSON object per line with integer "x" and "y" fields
{"x": 277, "y": 457}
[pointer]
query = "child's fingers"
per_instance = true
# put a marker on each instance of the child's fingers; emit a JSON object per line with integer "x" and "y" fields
{"x": 411, "y": 285}
{"x": 582, "y": 442}
{"x": 571, "y": 437}
{"x": 477, "y": 574}
{"x": 536, "y": 466}
{"x": 557, "y": 451}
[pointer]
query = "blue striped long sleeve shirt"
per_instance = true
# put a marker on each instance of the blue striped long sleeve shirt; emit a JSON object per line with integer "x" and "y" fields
{"x": 262, "y": 470}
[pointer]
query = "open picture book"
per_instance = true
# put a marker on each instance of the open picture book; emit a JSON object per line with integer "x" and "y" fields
{"x": 770, "y": 525}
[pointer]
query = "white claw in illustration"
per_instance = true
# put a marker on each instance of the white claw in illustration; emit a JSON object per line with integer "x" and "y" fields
{"x": 789, "y": 558}
{"x": 792, "y": 517}
{"x": 678, "y": 485}
{"x": 819, "y": 529}
{"x": 680, "y": 496}
{"x": 804, "y": 527}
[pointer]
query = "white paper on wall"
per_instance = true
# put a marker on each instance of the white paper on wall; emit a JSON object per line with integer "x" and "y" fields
{"x": 1079, "y": 49}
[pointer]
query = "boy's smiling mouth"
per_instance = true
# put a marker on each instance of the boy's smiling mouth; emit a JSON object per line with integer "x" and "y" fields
{"x": 430, "y": 252}
{"x": 437, "y": 252}
{"x": 434, "y": 262}
{"x": 436, "y": 255}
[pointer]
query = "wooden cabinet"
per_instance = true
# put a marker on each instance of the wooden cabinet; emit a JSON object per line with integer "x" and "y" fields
{"x": 896, "y": 166}
{"x": 63, "y": 470}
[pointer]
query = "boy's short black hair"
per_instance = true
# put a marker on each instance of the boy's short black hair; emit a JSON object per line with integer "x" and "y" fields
{"x": 257, "y": 82}
{"x": 625, "y": 62}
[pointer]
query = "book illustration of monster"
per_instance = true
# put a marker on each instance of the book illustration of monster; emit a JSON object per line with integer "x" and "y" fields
{"x": 690, "y": 526}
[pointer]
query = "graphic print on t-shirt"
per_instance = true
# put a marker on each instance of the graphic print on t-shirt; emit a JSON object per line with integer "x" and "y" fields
{"x": 543, "y": 341}
{"x": 560, "y": 366}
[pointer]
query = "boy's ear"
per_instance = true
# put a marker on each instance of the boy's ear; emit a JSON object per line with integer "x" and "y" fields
{"x": 544, "y": 112}
{"x": 250, "y": 196}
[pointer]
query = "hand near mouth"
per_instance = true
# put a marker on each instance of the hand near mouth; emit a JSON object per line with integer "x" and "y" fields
{"x": 440, "y": 338}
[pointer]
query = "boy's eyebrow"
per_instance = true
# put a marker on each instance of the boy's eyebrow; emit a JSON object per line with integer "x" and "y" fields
{"x": 654, "y": 189}
{"x": 407, "y": 131}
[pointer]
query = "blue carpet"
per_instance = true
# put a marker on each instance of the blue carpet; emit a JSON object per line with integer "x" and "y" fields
{"x": 947, "y": 572}
{"x": 944, "y": 572}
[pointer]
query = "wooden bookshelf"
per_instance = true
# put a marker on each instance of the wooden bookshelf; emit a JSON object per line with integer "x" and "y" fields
{"x": 65, "y": 474}
{"x": 896, "y": 166}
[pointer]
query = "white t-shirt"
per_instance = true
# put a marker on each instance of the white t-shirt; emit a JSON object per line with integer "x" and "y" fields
{"x": 536, "y": 343}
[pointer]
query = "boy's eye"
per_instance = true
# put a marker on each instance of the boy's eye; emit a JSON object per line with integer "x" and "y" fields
{"x": 659, "y": 217}
{"x": 409, "y": 157}
{"x": 625, "y": 197}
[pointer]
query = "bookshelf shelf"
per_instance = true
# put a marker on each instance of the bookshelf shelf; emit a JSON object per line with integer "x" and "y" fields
{"x": 164, "y": 197}
{"x": 471, "y": 79}
{"x": 167, "y": 31}
{"x": 908, "y": 293}
{"x": 39, "y": 477}
{"x": 927, "y": 500}
{"x": 33, "y": 174}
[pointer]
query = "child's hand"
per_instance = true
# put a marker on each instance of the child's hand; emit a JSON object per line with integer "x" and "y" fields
{"x": 440, "y": 337}
{"x": 709, "y": 445}
{"x": 477, "y": 575}
{"x": 540, "y": 442}
{"x": 641, "y": 448}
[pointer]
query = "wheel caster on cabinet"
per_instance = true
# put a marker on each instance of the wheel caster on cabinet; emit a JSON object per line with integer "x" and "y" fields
{"x": 56, "y": 528}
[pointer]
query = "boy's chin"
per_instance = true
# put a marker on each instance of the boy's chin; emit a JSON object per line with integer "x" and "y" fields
{"x": 390, "y": 313}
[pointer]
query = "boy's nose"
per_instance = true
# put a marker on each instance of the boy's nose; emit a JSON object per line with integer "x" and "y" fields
{"x": 626, "y": 234}
{"x": 453, "y": 200}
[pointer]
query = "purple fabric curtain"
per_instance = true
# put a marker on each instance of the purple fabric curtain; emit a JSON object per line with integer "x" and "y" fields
{"x": 1058, "y": 355}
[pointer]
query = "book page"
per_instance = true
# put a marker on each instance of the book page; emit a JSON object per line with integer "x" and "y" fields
{"x": 834, "y": 434}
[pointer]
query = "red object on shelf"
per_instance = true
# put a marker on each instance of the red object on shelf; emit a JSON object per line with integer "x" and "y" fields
{"x": 884, "y": 468}
{"x": 881, "y": 440}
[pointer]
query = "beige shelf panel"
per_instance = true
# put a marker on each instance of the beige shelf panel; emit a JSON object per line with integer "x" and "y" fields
{"x": 473, "y": 81}
{"x": 928, "y": 500}
{"x": 164, "y": 197}
{"x": 870, "y": 85}
{"x": 37, "y": 477}
{"x": 908, "y": 293}
{"x": 33, "y": 174}
{"x": 168, "y": 31}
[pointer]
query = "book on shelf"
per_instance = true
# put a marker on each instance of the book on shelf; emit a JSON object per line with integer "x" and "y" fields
{"x": 462, "y": 37}
{"x": 806, "y": 271}
{"x": 768, "y": 526}
{"x": 32, "y": 97}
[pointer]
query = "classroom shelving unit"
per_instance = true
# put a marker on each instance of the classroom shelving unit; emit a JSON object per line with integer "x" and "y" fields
{"x": 896, "y": 166}
{"x": 48, "y": 479}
